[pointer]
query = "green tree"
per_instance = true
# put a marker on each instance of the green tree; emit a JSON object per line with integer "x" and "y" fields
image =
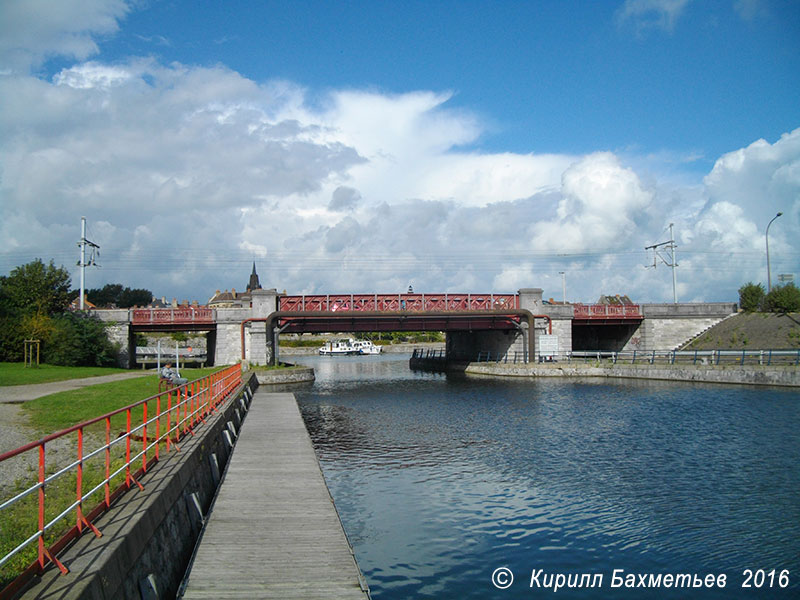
{"x": 106, "y": 296}
{"x": 134, "y": 297}
{"x": 114, "y": 294}
{"x": 783, "y": 298}
{"x": 28, "y": 296}
{"x": 36, "y": 287}
{"x": 751, "y": 295}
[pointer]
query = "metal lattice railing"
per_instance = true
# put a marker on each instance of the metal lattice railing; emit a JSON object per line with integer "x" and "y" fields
{"x": 662, "y": 357}
{"x": 150, "y": 426}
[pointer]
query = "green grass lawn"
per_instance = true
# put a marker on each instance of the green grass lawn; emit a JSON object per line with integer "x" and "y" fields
{"x": 64, "y": 409}
{"x": 18, "y": 374}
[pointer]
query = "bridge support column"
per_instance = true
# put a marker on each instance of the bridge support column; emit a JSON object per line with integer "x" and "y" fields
{"x": 260, "y": 350}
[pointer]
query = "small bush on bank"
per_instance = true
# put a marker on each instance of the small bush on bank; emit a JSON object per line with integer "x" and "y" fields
{"x": 783, "y": 298}
{"x": 78, "y": 340}
{"x": 751, "y": 295}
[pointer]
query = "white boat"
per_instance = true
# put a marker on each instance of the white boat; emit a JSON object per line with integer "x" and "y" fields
{"x": 366, "y": 347}
{"x": 348, "y": 346}
{"x": 339, "y": 348}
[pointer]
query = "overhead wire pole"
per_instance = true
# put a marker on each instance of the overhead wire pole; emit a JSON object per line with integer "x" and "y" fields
{"x": 82, "y": 261}
{"x": 668, "y": 245}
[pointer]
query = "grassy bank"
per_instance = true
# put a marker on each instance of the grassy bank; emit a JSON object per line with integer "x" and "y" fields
{"x": 64, "y": 409}
{"x": 56, "y": 412}
{"x": 18, "y": 374}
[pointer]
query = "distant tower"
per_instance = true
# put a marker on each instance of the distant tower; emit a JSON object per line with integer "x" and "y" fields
{"x": 254, "y": 283}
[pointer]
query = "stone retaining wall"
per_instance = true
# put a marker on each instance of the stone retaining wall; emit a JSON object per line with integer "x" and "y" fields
{"x": 753, "y": 375}
{"x": 279, "y": 376}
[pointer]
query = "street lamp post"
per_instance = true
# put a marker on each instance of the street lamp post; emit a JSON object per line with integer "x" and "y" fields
{"x": 769, "y": 274}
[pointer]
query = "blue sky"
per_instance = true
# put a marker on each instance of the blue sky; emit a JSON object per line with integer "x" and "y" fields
{"x": 458, "y": 146}
{"x": 550, "y": 76}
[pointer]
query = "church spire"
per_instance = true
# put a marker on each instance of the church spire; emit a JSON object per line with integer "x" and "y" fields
{"x": 254, "y": 283}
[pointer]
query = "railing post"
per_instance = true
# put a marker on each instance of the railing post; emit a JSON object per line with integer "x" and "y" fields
{"x": 107, "y": 486}
{"x": 128, "y": 448}
{"x": 79, "y": 482}
{"x": 144, "y": 437}
{"x": 169, "y": 418}
{"x": 158, "y": 423}
{"x": 41, "y": 506}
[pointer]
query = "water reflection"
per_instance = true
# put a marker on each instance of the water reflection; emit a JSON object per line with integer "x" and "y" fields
{"x": 439, "y": 479}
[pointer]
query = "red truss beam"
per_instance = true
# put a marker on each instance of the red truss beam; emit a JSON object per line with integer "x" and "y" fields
{"x": 398, "y": 302}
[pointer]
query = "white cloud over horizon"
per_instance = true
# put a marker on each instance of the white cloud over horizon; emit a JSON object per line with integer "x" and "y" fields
{"x": 188, "y": 173}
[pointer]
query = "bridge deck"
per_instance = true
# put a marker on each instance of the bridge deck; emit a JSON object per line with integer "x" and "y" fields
{"x": 274, "y": 531}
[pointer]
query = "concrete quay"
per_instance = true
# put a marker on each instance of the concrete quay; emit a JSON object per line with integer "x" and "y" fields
{"x": 751, "y": 375}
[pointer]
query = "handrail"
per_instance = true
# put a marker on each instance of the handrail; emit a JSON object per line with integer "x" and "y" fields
{"x": 187, "y": 406}
{"x": 397, "y": 302}
{"x": 182, "y": 315}
{"x": 765, "y": 357}
{"x": 607, "y": 311}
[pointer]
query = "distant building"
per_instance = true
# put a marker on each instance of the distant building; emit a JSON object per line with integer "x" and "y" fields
{"x": 224, "y": 299}
{"x": 76, "y": 304}
{"x": 232, "y": 299}
{"x": 615, "y": 300}
{"x": 159, "y": 303}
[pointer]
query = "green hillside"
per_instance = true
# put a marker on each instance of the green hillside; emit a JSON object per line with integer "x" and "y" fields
{"x": 752, "y": 331}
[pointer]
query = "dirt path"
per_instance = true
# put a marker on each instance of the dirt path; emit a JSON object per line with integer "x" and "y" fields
{"x": 15, "y": 394}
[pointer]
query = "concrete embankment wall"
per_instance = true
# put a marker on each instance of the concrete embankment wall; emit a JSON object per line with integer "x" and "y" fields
{"x": 754, "y": 375}
{"x": 149, "y": 536}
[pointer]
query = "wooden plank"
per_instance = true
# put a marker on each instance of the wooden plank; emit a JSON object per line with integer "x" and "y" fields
{"x": 274, "y": 531}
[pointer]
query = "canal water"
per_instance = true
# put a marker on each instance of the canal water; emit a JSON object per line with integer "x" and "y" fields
{"x": 442, "y": 480}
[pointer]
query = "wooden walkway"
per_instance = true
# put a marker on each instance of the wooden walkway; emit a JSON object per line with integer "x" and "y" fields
{"x": 274, "y": 531}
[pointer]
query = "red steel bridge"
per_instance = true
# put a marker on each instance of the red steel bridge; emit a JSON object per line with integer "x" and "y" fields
{"x": 338, "y": 306}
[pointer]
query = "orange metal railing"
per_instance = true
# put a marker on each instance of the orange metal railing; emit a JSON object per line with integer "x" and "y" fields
{"x": 151, "y": 425}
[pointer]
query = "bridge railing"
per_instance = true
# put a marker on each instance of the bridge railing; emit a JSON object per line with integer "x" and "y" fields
{"x": 179, "y": 316}
{"x": 398, "y": 302}
{"x": 662, "y": 357}
{"x": 128, "y": 441}
{"x": 606, "y": 311}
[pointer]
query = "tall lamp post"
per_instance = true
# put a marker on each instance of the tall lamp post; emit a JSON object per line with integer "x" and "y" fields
{"x": 769, "y": 274}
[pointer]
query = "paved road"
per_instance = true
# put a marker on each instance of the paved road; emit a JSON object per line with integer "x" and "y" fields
{"x": 15, "y": 394}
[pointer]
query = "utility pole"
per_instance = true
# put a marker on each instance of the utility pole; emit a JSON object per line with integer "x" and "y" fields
{"x": 672, "y": 262}
{"x": 563, "y": 286}
{"x": 82, "y": 261}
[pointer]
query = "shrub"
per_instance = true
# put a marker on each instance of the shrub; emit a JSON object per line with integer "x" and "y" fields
{"x": 751, "y": 295}
{"x": 783, "y": 298}
{"x": 78, "y": 340}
